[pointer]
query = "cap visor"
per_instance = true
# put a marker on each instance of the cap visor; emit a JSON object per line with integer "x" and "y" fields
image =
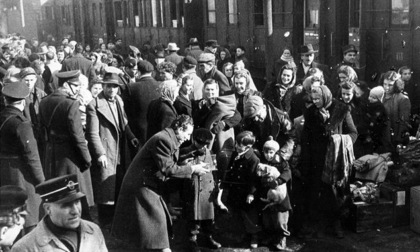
{"x": 70, "y": 198}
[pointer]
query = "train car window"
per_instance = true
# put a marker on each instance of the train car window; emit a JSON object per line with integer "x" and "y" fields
{"x": 125, "y": 15}
{"x": 143, "y": 13}
{"x": 282, "y": 14}
{"x": 258, "y": 12}
{"x": 154, "y": 13}
{"x": 136, "y": 13}
{"x": 400, "y": 12}
{"x": 354, "y": 14}
{"x": 100, "y": 14}
{"x": 94, "y": 14}
{"x": 118, "y": 14}
{"x": 211, "y": 12}
{"x": 232, "y": 11}
{"x": 312, "y": 13}
{"x": 162, "y": 14}
{"x": 49, "y": 12}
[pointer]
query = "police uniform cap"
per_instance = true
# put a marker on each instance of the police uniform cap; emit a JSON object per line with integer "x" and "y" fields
{"x": 130, "y": 62}
{"x": 27, "y": 71}
{"x": 60, "y": 190}
{"x": 111, "y": 78}
{"x": 71, "y": 77}
{"x": 206, "y": 57}
{"x": 202, "y": 136}
{"x": 16, "y": 90}
{"x": 145, "y": 66}
{"x": 190, "y": 61}
{"x": 12, "y": 197}
{"x": 349, "y": 48}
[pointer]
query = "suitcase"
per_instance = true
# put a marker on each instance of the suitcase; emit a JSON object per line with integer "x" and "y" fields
{"x": 369, "y": 216}
{"x": 401, "y": 203}
{"x": 415, "y": 209}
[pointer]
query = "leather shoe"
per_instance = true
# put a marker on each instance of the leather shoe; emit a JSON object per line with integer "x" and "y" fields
{"x": 209, "y": 242}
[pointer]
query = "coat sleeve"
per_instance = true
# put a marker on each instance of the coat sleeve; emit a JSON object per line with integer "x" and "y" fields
{"x": 352, "y": 130}
{"x": 92, "y": 131}
{"x": 30, "y": 153}
{"x": 223, "y": 83}
{"x": 233, "y": 121}
{"x": 404, "y": 111}
{"x": 75, "y": 128}
{"x": 164, "y": 157}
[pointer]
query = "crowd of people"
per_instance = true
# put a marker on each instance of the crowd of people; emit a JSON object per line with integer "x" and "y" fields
{"x": 157, "y": 134}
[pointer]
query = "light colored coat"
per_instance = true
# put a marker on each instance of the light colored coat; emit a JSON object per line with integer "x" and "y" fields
{"x": 41, "y": 239}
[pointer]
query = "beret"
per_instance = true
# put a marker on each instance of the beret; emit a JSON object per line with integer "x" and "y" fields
{"x": 252, "y": 106}
{"x": 145, "y": 66}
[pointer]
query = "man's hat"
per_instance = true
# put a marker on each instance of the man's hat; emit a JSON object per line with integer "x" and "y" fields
{"x": 111, "y": 78}
{"x": 16, "y": 90}
{"x": 130, "y": 62}
{"x": 213, "y": 43}
{"x": 134, "y": 49}
{"x": 172, "y": 47}
{"x": 12, "y": 197}
{"x": 145, "y": 66}
{"x": 206, "y": 57}
{"x": 193, "y": 41}
{"x": 71, "y": 77}
{"x": 349, "y": 48}
{"x": 252, "y": 106}
{"x": 190, "y": 61}
{"x": 27, "y": 71}
{"x": 307, "y": 49}
{"x": 60, "y": 190}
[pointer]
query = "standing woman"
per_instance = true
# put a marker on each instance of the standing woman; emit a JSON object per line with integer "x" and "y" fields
{"x": 323, "y": 119}
{"x": 397, "y": 106}
{"x": 227, "y": 70}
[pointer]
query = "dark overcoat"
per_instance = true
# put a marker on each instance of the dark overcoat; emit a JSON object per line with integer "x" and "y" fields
{"x": 183, "y": 106}
{"x": 160, "y": 115}
{"x": 141, "y": 215}
{"x": 105, "y": 137}
{"x": 79, "y": 62}
{"x": 66, "y": 150}
{"x": 20, "y": 164}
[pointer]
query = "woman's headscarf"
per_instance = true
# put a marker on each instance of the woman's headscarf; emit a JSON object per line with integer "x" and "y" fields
{"x": 169, "y": 90}
{"x": 324, "y": 93}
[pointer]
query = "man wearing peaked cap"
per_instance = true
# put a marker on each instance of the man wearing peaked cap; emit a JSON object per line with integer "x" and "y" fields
{"x": 66, "y": 151}
{"x": 62, "y": 228}
{"x": 349, "y": 59}
{"x": 106, "y": 132}
{"x": 307, "y": 56}
{"x": 12, "y": 203}
{"x": 208, "y": 70}
{"x": 211, "y": 46}
{"x": 19, "y": 158}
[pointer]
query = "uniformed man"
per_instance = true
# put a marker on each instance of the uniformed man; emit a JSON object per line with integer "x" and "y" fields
{"x": 349, "y": 59}
{"x": 62, "y": 229}
{"x": 19, "y": 159}
{"x": 66, "y": 149}
{"x": 12, "y": 214}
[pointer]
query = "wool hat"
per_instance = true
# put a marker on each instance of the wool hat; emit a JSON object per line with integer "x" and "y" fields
{"x": 16, "y": 90}
{"x": 190, "y": 61}
{"x": 12, "y": 197}
{"x": 252, "y": 106}
{"x": 377, "y": 92}
{"x": 206, "y": 57}
{"x": 271, "y": 145}
{"x": 60, "y": 190}
{"x": 145, "y": 66}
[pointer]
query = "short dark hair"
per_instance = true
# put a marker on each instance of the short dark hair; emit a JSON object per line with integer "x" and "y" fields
{"x": 78, "y": 48}
{"x": 182, "y": 122}
{"x": 242, "y": 48}
{"x": 245, "y": 138}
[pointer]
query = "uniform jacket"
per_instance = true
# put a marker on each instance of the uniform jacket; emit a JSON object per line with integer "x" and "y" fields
{"x": 41, "y": 239}
{"x": 398, "y": 107}
{"x": 300, "y": 73}
{"x": 141, "y": 94}
{"x": 107, "y": 138}
{"x": 160, "y": 115}
{"x": 78, "y": 62}
{"x": 66, "y": 150}
{"x": 141, "y": 214}
{"x": 20, "y": 164}
{"x": 219, "y": 77}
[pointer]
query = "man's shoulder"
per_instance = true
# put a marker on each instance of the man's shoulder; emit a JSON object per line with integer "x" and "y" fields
{"x": 90, "y": 227}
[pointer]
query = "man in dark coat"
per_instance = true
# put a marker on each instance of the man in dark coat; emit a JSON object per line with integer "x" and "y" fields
{"x": 208, "y": 70}
{"x": 140, "y": 94}
{"x": 141, "y": 215}
{"x": 79, "y": 62}
{"x": 20, "y": 164}
{"x": 264, "y": 120}
{"x": 307, "y": 55}
{"x": 66, "y": 149}
{"x": 349, "y": 59}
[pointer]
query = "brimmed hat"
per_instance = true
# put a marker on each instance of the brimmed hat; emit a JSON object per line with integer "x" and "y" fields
{"x": 307, "y": 49}
{"x": 60, "y": 190}
{"x": 111, "y": 78}
{"x": 193, "y": 41}
{"x": 16, "y": 90}
{"x": 213, "y": 43}
{"x": 12, "y": 197}
{"x": 206, "y": 57}
{"x": 349, "y": 48}
{"x": 172, "y": 47}
{"x": 252, "y": 106}
{"x": 71, "y": 77}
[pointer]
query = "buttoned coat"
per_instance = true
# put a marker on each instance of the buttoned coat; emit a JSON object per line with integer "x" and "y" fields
{"x": 107, "y": 138}
{"x": 141, "y": 215}
{"x": 67, "y": 152}
{"x": 78, "y": 62}
{"x": 41, "y": 239}
{"x": 20, "y": 164}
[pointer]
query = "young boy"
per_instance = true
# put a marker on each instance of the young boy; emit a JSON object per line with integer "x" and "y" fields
{"x": 275, "y": 217}
{"x": 240, "y": 181}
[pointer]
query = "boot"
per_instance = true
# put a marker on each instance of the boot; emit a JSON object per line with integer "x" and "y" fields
{"x": 209, "y": 242}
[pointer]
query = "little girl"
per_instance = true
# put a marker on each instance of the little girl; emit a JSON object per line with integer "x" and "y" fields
{"x": 275, "y": 217}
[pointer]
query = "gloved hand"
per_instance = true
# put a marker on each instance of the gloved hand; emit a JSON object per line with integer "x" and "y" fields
{"x": 218, "y": 127}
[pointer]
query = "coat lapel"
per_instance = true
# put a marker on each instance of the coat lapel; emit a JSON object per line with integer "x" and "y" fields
{"x": 104, "y": 109}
